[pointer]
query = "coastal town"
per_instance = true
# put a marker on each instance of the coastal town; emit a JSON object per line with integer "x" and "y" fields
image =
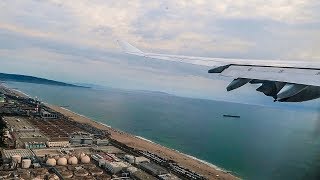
{"x": 43, "y": 141}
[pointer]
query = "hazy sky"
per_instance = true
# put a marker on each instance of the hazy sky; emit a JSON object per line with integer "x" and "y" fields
{"x": 74, "y": 40}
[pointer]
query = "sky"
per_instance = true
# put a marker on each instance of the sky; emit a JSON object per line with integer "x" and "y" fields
{"x": 74, "y": 40}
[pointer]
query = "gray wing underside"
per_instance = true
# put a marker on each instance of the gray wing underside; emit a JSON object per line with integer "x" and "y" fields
{"x": 285, "y": 81}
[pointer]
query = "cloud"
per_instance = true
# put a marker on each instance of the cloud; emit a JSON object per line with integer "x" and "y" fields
{"x": 192, "y": 27}
{"x": 74, "y": 40}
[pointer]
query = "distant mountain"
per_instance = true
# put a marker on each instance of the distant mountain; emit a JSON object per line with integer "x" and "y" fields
{"x": 94, "y": 86}
{"x": 32, "y": 79}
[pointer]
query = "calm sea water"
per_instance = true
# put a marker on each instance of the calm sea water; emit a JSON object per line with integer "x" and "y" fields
{"x": 265, "y": 143}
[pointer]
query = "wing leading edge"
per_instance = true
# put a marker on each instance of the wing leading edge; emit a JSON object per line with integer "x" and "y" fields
{"x": 285, "y": 81}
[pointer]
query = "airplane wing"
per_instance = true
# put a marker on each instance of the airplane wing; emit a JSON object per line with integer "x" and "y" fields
{"x": 285, "y": 81}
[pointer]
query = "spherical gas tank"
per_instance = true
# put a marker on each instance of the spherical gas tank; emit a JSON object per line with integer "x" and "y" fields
{"x": 73, "y": 160}
{"x": 85, "y": 159}
{"x": 51, "y": 162}
{"x": 62, "y": 161}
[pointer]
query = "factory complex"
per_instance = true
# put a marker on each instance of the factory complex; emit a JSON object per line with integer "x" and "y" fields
{"x": 40, "y": 143}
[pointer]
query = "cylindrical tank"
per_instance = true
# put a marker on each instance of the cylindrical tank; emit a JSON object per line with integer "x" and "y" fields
{"x": 62, "y": 161}
{"x": 26, "y": 163}
{"x": 61, "y": 168}
{"x": 81, "y": 173}
{"x": 88, "y": 166}
{"x": 96, "y": 171}
{"x": 73, "y": 160}
{"x": 53, "y": 177}
{"x": 71, "y": 168}
{"x": 103, "y": 177}
{"x": 88, "y": 178}
{"x": 51, "y": 162}
{"x": 16, "y": 159}
{"x": 40, "y": 173}
{"x": 67, "y": 174}
{"x": 85, "y": 159}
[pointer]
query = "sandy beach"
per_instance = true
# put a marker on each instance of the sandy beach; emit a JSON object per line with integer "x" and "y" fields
{"x": 141, "y": 144}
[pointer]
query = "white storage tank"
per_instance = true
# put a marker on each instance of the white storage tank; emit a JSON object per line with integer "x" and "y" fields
{"x": 96, "y": 171}
{"x": 26, "y": 163}
{"x": 85, "y": 159}
{"x": 51, "y": 162}
{"x": 73, "y": 160}
{"x": 16, "y": 159}
{"x": 62, "y": 161}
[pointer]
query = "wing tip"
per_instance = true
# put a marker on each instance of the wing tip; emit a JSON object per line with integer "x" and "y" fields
{"x": 128, "y": 48}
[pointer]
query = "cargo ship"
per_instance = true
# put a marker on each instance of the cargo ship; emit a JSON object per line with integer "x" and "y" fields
{"x": 231, "y": 116}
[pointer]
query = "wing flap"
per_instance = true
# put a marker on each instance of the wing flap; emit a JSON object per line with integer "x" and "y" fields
{"x": 289, "y": 75}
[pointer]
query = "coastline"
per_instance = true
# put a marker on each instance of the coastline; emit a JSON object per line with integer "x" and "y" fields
{"x": 150, "y": 141}
{"x": 202, "y": 167}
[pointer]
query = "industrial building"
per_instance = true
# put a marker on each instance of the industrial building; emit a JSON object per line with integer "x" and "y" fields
{"x": 47, "y": 115}
{"x": 45, "y": 152}
{"x": 58, "y": 142}
{"x": 115, "y": 167}
{"x": 141, "y": 175}
{"x": 107, "y": 149}
{"x": 22, "y": 153}
{"x": 53, "y": 128}
{"x": 101, "y": 142}
{"x": 81, "y": 138}
{"x": 135, "y": 160}
{"x": 153, "y": 168}
{"x": 35, "y": 145}
{"x": 24, "y": 134}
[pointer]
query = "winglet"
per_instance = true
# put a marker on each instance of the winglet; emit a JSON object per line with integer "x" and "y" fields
{"x": 128, "y": 48}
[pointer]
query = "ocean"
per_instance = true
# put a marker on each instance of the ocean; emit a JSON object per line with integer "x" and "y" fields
{"x": 265, "y": 143}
